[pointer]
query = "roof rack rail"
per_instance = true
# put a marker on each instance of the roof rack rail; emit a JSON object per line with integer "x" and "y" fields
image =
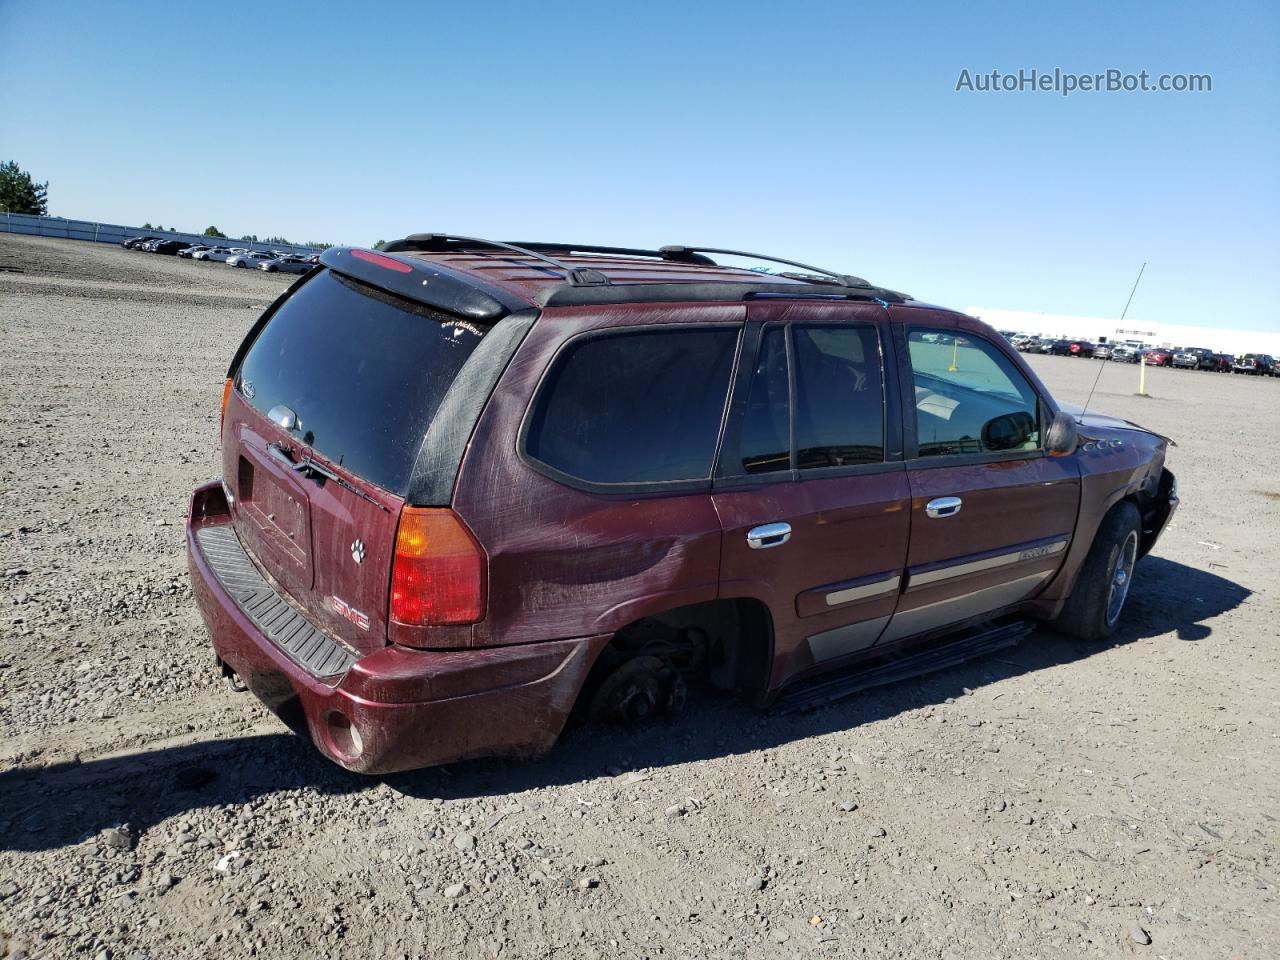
{"x": 440, "y": 243}
{"x": 844, "y": 279}
{"x": 588, "y": 277}
{"x": 663, "y": 254}
{"x": 674, "y": 253}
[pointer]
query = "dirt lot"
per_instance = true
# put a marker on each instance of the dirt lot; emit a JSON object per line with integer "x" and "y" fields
{"x": 1059, "y": 801}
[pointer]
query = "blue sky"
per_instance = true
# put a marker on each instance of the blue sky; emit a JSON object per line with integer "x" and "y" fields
{"x": 826, "y": 132}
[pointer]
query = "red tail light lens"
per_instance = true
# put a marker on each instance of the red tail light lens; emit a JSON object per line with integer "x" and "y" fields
{"x": 438, "y": 573}
{"x": 226, "y": 395}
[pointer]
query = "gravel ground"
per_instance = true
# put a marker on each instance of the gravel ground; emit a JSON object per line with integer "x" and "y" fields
{"x": 1058, "y": 801}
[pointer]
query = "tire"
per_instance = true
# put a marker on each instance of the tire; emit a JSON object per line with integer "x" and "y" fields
{"x": 1093, "y": 610}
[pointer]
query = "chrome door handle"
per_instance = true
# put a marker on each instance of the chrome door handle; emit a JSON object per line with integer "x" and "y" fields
{"x": 943, "y": 507}
{"x": 768, "y": 535}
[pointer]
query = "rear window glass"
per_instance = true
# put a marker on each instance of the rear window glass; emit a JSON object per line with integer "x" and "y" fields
{"x": 766, "y": 424}
{"x": 839, "y": 397}
{"x": 363, "y": 372}
{"x": 639, "y": 407}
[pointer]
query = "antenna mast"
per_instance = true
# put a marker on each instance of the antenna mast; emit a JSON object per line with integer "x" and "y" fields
{"x": 1123, "y": 313}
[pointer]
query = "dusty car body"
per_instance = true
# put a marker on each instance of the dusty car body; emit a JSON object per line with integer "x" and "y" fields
{"x": 629, "y": 467}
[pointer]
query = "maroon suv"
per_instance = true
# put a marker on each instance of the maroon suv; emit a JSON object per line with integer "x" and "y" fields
{"x": 470, "y": 486}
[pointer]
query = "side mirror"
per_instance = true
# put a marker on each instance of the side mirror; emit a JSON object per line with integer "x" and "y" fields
{"x": 1008, "y": 432}
{"x": 1061, "y": 438}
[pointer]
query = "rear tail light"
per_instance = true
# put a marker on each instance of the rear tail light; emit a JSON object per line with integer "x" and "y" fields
{"x": 438, "y": 572}
{"x": 226, "y": 395}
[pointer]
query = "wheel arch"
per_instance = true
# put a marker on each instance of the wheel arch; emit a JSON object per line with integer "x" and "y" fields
{"x": 737, "y": 634}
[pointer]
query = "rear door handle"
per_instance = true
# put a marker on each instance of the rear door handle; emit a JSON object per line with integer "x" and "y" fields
{"x": 768, "y": 535}
{"x": 943, "y": 507}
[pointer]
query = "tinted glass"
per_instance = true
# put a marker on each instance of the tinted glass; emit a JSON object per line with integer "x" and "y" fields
{"x": 766, "y": 425}
{"x": 839, "y": 397}
{"x": 969, "y": 397}
{"x": 363, "y": 371}
{"x": 637, "y": 407}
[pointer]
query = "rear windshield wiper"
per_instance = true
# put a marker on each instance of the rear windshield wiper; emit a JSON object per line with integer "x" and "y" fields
{"x": 313, "y": 469}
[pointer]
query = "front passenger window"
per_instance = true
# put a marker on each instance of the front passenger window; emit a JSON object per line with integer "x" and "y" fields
{"x": 969, "y": 397}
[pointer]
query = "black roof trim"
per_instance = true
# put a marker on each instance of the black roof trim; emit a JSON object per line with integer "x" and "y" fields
{"x": 426, "y": 281}
{"x": 567, "y": 296}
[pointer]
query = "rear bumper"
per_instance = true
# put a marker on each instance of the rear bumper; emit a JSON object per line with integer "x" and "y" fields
{"x": 395, "y": 709}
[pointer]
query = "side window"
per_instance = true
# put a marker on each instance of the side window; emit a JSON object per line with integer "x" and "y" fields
{"x": 766, "y": 425}
{"x": 635, "y": 407}
{"x": 839, "y": 396}
{"x": 969, "y": 397}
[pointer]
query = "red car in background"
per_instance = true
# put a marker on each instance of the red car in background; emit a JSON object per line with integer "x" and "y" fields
{"x": 1159, "y": 358}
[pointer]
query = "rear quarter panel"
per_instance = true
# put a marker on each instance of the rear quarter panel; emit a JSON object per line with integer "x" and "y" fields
{"x": 563, "y": 562}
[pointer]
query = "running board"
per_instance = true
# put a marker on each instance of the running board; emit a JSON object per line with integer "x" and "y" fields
{"x": 813, "y": 694}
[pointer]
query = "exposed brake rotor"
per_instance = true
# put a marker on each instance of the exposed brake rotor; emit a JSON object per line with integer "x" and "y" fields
{"x": 642, "y": 688}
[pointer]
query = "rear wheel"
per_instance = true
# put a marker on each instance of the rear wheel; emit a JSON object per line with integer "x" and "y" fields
{"x": 1094, "y": 607}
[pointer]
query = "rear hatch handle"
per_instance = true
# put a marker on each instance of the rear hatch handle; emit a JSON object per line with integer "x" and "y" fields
{"x": 315, "y": 470}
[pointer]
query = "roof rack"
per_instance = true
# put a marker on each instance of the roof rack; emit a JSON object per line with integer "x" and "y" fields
{"x": 670, "y": 254}
{"x": 587, "y": 277}
{"x": 681, "y": 254}
{"x": 439, "y": 243}
{"x": 844, "y": 279}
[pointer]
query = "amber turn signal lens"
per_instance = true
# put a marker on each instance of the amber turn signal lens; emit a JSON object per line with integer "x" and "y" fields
{"x": 438, "y": 573}
{"x": 226, "y": 395}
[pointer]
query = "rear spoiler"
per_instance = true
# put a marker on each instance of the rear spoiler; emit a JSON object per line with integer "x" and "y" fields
{"x": 426, "y": 282}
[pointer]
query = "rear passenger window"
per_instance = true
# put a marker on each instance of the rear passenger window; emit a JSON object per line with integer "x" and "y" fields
{"x": 635, "y": 407}
{"x": 766, "y": 425}
{"x": 839, "y": 397}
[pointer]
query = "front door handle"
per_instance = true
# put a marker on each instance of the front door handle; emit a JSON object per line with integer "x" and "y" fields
{"x": 768, "y": 535}
{"x": 943, "y": 507}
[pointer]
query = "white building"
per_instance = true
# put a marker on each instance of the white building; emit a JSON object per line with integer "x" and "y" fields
{"x": 1220, "y": 339}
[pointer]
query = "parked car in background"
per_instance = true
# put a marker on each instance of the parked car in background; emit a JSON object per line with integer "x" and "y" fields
{"x": 1158, "y": 357}
{"x": 191, "y": 251}
{"x": 361, "y": 569}
{"x": 1103, "y": 351}
{"x": 248, "y": 259}
{"x": 1256, "y": 364}
{"x": 285, "y": 265}
{"x": 214, "y": 254}
{"x": 1193, "y": 358}
{"x": 167, "y": 247}
{"x": 1223, "y": 363}
{"x": 1071, "y": 348}
{"x": 1125, "y": 353}
{"x": 133, "y": 243}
